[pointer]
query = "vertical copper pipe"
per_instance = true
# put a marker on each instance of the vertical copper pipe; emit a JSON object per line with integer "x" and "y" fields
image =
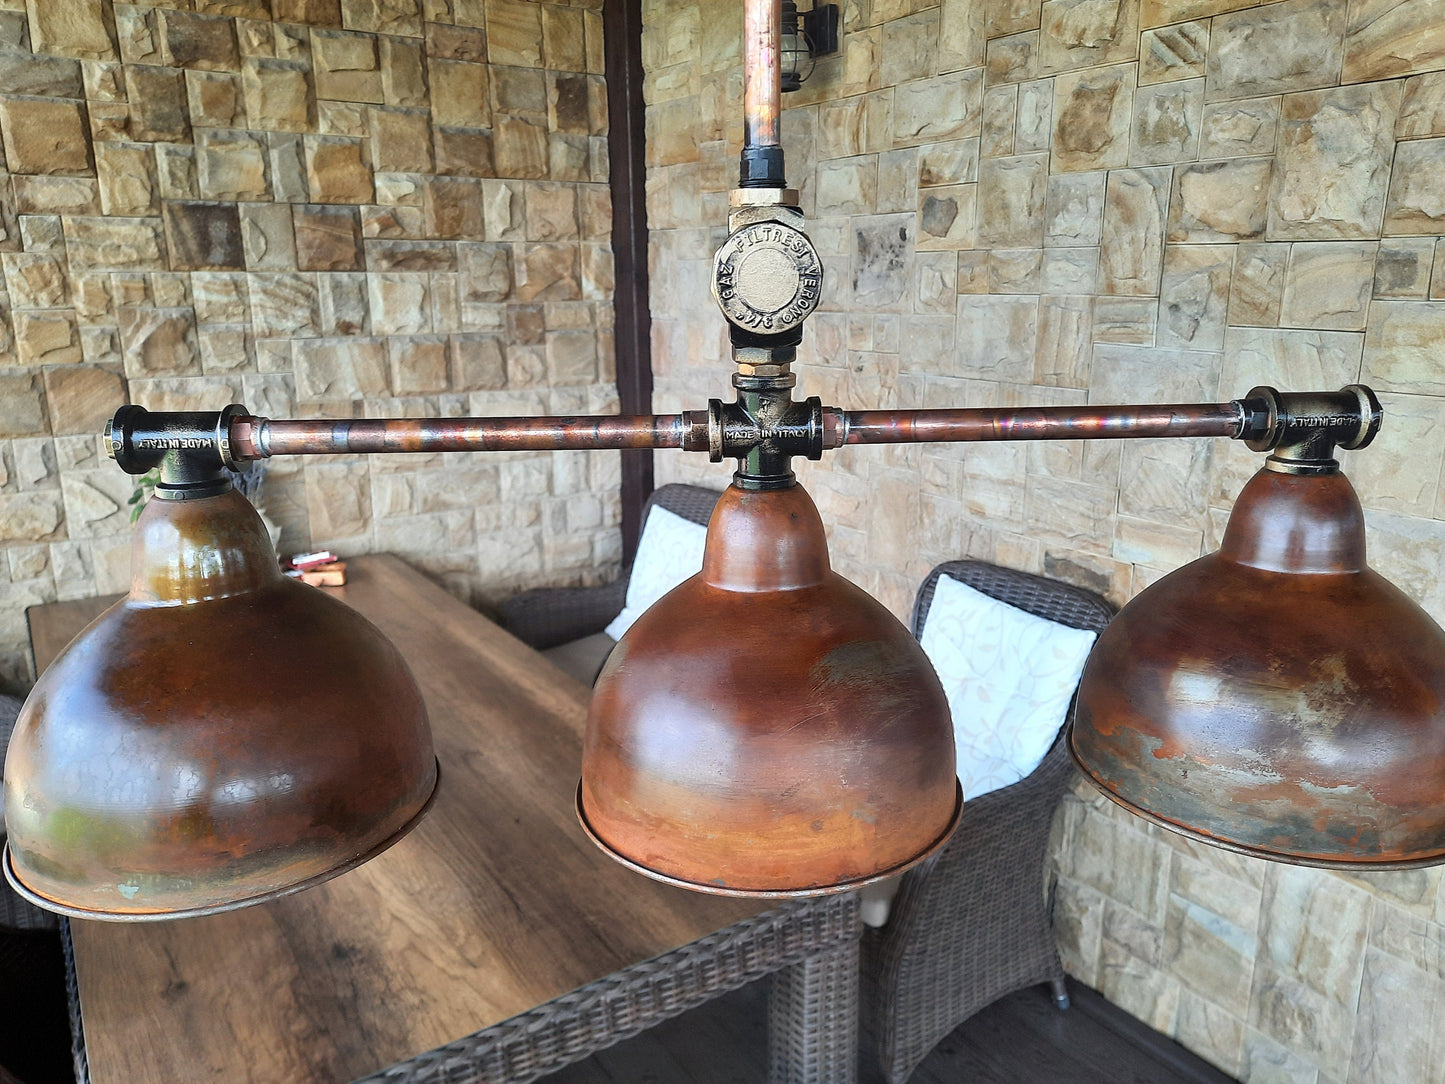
{"x": 762, "y": 78}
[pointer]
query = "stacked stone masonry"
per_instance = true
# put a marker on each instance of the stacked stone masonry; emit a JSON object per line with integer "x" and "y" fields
{"x": 1102, "y": 201}
{"x": 317, "y": 208}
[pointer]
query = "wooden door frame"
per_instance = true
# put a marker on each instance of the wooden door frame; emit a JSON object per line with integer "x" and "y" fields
{"x": 626, "y": 115}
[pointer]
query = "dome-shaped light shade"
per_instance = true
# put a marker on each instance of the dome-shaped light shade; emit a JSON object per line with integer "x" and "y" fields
{"x": 1277, "y": 697}
{"x": 768, "y": 728}
{"x": 221, "y": 736}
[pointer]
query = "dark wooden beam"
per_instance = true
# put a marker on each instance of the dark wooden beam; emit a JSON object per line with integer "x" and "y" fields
{"x": 626, "y": 114}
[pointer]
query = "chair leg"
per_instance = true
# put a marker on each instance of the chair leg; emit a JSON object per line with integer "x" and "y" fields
{"x": 1061, "y": 994}
{"x": 813, "y": 1020}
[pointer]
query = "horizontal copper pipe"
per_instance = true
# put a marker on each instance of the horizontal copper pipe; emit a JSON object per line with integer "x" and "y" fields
{"x": 257, "y": 438}
{"x": 1041, "y": 423}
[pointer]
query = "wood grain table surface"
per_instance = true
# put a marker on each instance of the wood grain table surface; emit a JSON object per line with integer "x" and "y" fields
{"x": 496, "y": 903}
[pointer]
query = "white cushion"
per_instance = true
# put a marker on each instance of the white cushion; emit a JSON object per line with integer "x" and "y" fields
{"x": 1009, "y": 677}
{"x": 582, "y": 658}
{"x": 875, "y": 901}
{"x": 669, "y": 552}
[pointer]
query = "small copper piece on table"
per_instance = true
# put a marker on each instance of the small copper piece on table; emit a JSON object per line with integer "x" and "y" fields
{"x": 331, "y": 574}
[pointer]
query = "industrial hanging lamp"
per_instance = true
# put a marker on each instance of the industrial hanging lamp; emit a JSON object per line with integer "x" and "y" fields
{"x": 179, "y": 757}
{"x": 1279, "y": 697}
{"x": 766, "y": 728}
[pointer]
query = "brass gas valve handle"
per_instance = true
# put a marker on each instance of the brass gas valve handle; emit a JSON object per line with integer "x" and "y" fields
{"x": 767, "y": 277}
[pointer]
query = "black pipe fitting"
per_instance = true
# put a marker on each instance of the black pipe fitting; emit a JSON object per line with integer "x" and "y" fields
{"x": 1302, "y": 429}
{"x": 763, "y": 429}
{"x": 761, "y": 167}
{"x": 192, "y": 448}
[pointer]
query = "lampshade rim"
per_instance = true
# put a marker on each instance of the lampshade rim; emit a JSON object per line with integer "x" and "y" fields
{"x": 774, "y": 893}
{"x": 1434, "y": 858}
{"x": 30, "y": 895}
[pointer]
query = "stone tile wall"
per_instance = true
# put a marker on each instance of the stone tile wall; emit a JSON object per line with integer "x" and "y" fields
{"x": 317, "y": 208}
{"x": 1096, "y": 201}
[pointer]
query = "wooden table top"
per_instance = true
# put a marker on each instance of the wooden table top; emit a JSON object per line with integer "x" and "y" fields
{"x": 496, "y": 903}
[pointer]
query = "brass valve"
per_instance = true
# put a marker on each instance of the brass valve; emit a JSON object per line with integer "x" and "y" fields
{"x": 767, "y": 277}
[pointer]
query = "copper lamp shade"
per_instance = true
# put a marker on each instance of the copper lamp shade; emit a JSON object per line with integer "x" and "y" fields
{"x": 1278, "y": 697}
{"x": 221, "y": 736}
{"x": 768, "y": 728}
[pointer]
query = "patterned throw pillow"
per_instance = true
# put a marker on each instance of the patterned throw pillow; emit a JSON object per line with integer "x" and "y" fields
{"x": 1009, "y": 677}
{"x": 669, "y": 552}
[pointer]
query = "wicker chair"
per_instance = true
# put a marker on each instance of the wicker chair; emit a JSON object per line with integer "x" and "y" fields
{"x": 31, "y": 1005}
{"x": 973, "y": 924}
{"x": 566, "y": 623}
{"x": 16, "y": 913}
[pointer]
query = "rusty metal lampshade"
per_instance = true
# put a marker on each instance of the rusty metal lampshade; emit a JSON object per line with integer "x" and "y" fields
{"x": 221, "y": 736}
{"x": 768, "y": 728}
{"x": 1277, "y": 697}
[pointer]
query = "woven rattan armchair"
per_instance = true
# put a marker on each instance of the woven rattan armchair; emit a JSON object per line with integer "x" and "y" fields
{"x": 973, "y": 924}
{"x": 554, "y": 619}
{"x": 17, "y": 914}
{"x": 30, "y": 955}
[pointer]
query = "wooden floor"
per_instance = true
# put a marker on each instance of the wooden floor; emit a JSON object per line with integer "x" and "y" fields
{"x": 34, "y": 1018}
{"x": 1022, "y": 1039}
